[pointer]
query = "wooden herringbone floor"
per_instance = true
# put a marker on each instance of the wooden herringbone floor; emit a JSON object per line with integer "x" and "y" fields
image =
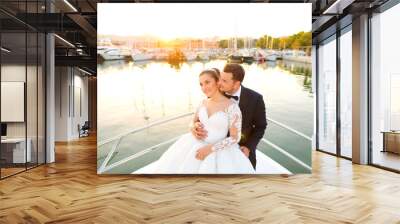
{"x": 69, "y": 191}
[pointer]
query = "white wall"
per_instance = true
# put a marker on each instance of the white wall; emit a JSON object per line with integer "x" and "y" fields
{"x": 14, "y": 73}
{"x": 33, "y": 127}
{"x": 80, "y": 83}
{"x": 69, "y": 82}
{"x": 62, "y": 81}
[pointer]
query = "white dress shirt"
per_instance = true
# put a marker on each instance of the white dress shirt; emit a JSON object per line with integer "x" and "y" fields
{"x": 237, "y": 93}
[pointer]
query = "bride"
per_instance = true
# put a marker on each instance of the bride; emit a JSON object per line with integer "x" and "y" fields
{"x": 219, "y": 152}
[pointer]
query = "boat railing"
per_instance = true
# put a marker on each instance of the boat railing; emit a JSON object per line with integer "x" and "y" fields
{"x": 132, "y": 131}
{"x": 104, "y": 167}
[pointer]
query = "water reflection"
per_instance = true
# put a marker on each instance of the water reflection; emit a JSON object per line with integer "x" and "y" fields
{"x": 175, "y": 64}
{"x": 133, "y": 94}
{"x": 301, "y": 69}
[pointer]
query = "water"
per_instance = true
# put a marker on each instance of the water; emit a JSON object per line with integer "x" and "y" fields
{"x": 131, "y": 95}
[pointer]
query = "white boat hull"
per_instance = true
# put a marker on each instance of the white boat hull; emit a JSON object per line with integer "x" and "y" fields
{"x": 109, "y": 57}
{"x": 306, "y": 59}
{"x": 141, "y": 57}
{"x": 190, "y": 57}
{"x": 271, "y": 57}
{"x": 161, "y": 56}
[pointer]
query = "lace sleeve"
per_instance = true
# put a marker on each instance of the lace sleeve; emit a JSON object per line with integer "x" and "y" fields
{"x": 235, "y": 128}
{"x": 196, "y": 115}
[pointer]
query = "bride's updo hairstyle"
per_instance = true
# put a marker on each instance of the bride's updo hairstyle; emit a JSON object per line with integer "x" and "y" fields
{"x": 213, "y": 72}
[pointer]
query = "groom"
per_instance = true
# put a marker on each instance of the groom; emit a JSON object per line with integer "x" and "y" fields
{"x": 252, "y": 106}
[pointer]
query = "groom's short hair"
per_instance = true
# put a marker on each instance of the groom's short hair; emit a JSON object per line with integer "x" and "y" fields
{"x": 236, "y": 70}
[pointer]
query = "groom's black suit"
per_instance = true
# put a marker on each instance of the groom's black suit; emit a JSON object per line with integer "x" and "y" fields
{"x": 254, "y": 121}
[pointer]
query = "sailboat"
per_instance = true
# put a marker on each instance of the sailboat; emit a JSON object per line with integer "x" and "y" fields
{"x": 269, "y": 52}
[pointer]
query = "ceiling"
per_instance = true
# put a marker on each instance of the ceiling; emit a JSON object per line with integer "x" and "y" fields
{"x": 75, "y": 43}
{"x": 76, "y": 22}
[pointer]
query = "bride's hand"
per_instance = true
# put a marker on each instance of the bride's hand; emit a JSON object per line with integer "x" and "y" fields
{"x": 203, "y": 152}
{"x": 198, "y": 131}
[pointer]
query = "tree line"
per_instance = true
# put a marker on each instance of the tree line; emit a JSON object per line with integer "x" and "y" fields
{"x": 300, "y": 40}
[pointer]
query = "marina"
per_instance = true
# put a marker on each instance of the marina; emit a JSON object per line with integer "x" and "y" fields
{"x": 155, "y": 100}
{"x": 236, "y": 56}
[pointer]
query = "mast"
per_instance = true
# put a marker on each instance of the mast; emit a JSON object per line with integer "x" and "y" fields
{"x": 235, "y": 40}
{"x": 272, "y": 42}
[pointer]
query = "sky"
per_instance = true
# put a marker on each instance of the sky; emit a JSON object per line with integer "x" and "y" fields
{"x": 196, "y": 20}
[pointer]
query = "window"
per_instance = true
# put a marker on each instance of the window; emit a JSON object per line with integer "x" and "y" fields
{"x": 327, "y": 95}
{"x": 385, "y": 88}
{"x": 23, "y": 79}
{"x": 346, "y": 92}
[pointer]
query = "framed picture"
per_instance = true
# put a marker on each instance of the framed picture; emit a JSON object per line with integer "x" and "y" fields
{"x": 204, "y": 88}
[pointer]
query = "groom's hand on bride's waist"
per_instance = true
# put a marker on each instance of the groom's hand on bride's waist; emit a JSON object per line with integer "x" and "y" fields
{"x": 198, "y": 131}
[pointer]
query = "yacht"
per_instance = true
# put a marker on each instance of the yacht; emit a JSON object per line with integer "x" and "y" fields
{"x": 111, "y": 54}
{"x": 240, "y": 56}
{"x": 138, "y": 55}
{"x": 145, "y": 160}
{"x": 190, "y": 55}
{"x": 203, "y": 55}
{"x": 259, "y": 55}
{"x": 296, "y": 55}
{"x": 279, "y": 55}
{"x": 270, "y": 55}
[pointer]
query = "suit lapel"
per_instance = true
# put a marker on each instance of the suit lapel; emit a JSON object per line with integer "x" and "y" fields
{"x": 243, "y": 100}
{"x": 243, "y": 108}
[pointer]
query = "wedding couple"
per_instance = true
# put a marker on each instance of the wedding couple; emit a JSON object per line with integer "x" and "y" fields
{"x": 225, "y": 131}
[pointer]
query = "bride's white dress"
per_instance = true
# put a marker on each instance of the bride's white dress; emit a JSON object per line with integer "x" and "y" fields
{"x": 226, "y": 157}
